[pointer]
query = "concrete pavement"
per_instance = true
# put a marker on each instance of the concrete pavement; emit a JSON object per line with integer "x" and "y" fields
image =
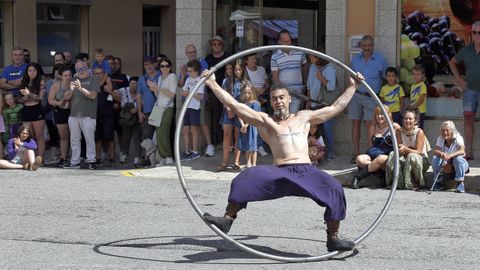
{"x": 80, "y": 219}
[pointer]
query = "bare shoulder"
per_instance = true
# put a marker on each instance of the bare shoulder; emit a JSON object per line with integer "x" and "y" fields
{"x": 396, "y": 126}
{"x": 420, "y": 132}
{"x": 318, "y": 116}
{"x": 304, "y": 114}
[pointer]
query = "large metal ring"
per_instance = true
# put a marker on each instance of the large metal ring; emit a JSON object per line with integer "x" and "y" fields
{"x": 238, "y": 244}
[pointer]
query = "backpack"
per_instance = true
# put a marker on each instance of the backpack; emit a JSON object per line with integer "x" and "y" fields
{"x": 127, "y": 118}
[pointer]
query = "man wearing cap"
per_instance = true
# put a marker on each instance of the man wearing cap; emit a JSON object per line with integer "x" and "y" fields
{"x": 372, "y": 65}
{"x": 146, "y": 96}
{"x": 214, "y": 106}
{"x": 288, "y": 68}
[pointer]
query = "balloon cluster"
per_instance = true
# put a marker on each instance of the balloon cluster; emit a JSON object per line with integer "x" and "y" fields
{"x": 427, "y": 40}
{"x": 408, "y": 52}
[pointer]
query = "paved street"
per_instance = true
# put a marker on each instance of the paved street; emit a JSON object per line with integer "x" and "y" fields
{"x": 80, "y": 219}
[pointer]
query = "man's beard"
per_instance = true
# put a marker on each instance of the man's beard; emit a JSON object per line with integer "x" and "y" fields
{"x": 283, "y": 114}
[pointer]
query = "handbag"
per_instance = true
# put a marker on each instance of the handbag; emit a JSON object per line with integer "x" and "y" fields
{"x": 155, "y": 118}
{"x": 127, "y": 118}
{"x": 325, "y": 96}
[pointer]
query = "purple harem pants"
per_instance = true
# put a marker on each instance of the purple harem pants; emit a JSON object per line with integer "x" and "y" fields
{"x": 267, "y": 182}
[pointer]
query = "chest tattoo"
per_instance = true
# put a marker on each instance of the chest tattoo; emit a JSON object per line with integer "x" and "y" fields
{"x": 291, "y": 134}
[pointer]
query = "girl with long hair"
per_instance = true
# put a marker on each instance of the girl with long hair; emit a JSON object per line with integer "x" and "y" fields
{"x": 32, "y": 89}
{"x": 21, "y": 151}
{"x": 247, "y": 140}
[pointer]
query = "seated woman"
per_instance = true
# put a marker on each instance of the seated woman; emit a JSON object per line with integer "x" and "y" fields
{"x": 375, "y": 159}
{"x": 21, "y": 151}
{"x": 413, "y": 147}
{"x": 449, "y": 150}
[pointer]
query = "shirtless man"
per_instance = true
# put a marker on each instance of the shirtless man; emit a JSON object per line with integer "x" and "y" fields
{"x": 292, "y": 173}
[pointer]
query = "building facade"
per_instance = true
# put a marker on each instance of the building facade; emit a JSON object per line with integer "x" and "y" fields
{"x": 134, "y": 28}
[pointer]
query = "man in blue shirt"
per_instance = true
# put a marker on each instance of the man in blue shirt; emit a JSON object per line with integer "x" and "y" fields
{"x": 372, "y": 65}
{"x": 12, "y": 75}
{"x": 146, "y": 97}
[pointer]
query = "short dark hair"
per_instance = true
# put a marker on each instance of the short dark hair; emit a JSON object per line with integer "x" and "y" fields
{"x": 60, "y": 68}
{"x": 392, "y": 70}
{"x": 80, "y": 56}
{"x": 59, "y": 53}
{"x": 278, "y": 86}
{"x": 247, "y": 56}
{"x": 419, "y": 67}
{"x": 133, "y": 78}
{"x": 283, "y": 31}
{"x": 194, "y": 64}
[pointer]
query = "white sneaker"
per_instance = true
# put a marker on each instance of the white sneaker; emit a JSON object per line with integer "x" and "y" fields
{"x": 136, "y": 161}
{"x": 164, "y": 162}
{"x": 168, "y": 161}
{"x": 123, "y": 157}
{"x": 210, "y": 152}
{"x": 261, "y": 151}
{"x": 160, "y": 163}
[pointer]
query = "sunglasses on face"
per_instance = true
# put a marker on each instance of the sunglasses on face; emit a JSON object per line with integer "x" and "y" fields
{"x": 81, "y": 69}
{"x": 164, "y": 66}
{"x": 475, "y": 33}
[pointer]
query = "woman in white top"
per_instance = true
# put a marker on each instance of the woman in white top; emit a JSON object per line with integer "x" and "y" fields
{"x": 449, "y": 149}
{"x": 413, "y": 147}
{"x": 165, "y": 93}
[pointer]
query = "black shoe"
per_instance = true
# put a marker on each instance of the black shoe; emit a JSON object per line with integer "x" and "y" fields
{"x": 223, "y": 223}
{"x": 62, "y": 163}
{"x": 92, "y": 166}
{"x": 71, "y": 166}
{"x": 98, "y": 162}
{"x": 355, "y": 183}
{"x": 339, "y": 245}
{"x": 143, "y": 163}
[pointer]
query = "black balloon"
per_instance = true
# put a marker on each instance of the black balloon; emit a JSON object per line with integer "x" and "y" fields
{"x": 436, "y": 42}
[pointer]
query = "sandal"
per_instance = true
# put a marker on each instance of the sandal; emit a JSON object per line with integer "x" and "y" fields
{"x": 236, "y": 168}
{"x": 222, "y": 166}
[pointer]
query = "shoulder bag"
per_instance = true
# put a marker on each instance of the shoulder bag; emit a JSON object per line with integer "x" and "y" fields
{"x": 155, "y": 118}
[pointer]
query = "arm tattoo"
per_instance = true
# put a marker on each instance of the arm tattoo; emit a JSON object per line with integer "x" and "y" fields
{"x": 341, "y": 103}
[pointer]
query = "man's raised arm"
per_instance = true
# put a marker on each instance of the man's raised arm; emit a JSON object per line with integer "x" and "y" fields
{"x": 326, "y": 113}
{"x": 246, "y": 113}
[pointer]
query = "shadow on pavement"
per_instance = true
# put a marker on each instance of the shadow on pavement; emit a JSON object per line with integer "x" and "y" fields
{"x": 210, "y": 248}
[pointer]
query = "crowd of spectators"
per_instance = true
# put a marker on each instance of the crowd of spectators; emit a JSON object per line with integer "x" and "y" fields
{"x": 82, "y": 107}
